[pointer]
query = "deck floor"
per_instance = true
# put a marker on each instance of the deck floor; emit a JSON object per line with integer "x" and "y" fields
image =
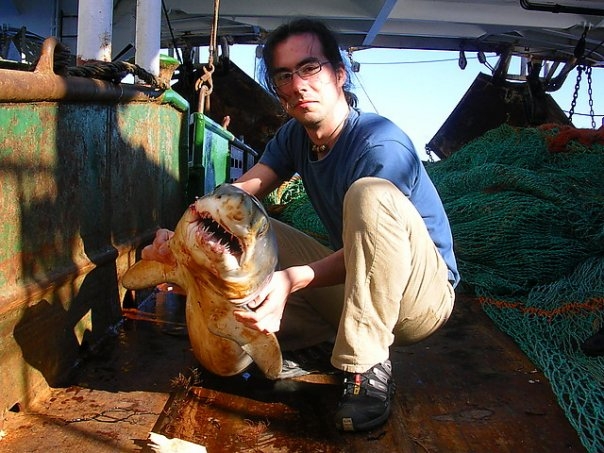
{"x": 466, "y": 389}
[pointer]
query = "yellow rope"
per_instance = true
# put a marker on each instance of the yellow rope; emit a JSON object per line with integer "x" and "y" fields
{"x": 213, "y": 34}
{"x": 205, "y": 84}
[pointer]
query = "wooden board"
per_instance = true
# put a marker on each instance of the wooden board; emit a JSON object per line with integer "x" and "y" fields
{"x": 466, "y": 389}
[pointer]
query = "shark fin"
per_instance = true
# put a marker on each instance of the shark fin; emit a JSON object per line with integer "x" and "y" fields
{"x": 146, "y": 273}
{"x": 263, "y": 348}
{"x": 266, "y": 353}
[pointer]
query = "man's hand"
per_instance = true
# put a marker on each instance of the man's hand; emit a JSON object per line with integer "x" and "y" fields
{"x": 159, "y": 249}
{"x": 266, "y": 309}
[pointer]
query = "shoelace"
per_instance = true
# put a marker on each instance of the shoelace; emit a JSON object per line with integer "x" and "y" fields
{"x": 373, "y": 383}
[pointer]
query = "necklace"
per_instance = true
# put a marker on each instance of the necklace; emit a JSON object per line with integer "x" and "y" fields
{"x": 321, "y": 149}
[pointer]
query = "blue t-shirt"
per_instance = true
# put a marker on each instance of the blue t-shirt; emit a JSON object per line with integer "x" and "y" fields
{"x": 369, "y": 145}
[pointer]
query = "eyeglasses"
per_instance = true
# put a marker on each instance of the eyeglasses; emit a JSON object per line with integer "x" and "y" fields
{"x": 304, "y": 72}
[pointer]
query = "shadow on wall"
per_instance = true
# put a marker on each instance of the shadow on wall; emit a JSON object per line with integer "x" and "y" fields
{"x": 85, "y": 184}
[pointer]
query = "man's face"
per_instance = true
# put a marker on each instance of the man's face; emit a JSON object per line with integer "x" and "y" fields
{"x": 310, "y": 100}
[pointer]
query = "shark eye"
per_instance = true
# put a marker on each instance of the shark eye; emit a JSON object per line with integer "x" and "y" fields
{"x": 263, "y": 228}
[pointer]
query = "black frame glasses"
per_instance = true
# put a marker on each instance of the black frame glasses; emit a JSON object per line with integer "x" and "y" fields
{"x": 305, "y": 71}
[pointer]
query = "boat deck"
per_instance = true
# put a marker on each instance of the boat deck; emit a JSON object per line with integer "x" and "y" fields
{"x": 468, "y": 388}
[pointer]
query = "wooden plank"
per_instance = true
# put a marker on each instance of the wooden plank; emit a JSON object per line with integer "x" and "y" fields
{"x": 466, "y": 389}
{"x": 469, "y": 388}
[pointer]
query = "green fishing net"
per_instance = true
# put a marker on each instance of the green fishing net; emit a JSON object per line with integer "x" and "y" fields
{"x": 526, "y": 207}
{"x": 290, "y": 204}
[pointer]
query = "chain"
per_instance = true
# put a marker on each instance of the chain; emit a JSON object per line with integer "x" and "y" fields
{"x": 205, "y": 86}
{"x": 573, "y": 103}
{"x": 591, "y": 101}
{"x": 429, "y": 152}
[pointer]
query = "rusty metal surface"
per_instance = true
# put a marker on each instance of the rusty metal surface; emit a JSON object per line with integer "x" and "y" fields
{"x": 467, "y": 388}
{"x": 83, "y": 185}
{"x": 43, "y": 84}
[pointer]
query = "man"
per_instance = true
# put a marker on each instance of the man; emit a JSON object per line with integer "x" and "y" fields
{"x": 389, "y": 277}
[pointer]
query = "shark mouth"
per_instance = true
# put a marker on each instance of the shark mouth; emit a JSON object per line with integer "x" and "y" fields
{"x": 217, "y": 237}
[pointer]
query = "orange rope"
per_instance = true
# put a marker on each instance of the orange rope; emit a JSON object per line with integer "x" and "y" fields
{"x": 592, "y": 305}
{"x": 558, "y": 143}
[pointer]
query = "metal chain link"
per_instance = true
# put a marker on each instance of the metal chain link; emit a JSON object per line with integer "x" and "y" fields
{"x": 591, "y": 101}
{"x": 429, "y": 152}
{"x": 573, "y": 103}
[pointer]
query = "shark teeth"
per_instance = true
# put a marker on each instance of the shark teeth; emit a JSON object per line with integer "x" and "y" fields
{"x": 221, "y": 240}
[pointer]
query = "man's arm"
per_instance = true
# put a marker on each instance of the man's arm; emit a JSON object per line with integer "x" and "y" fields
{"x": 327, "y": 271}
{"x": 260, "y": 180}
{"x": 268, "y": 306}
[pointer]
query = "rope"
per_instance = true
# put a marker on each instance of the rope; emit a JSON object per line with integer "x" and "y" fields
{"x": 115, "y": 72}
{"x": 205, "y": 84}
{"x": 214, "y": 33}
{"x": 595, "y": 305}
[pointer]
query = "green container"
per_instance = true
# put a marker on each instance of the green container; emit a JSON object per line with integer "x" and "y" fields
{"x": 215, "y": 157}
{"x": 89, "y": 170}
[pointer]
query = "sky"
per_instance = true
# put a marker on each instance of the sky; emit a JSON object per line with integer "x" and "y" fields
{"x": 418, "y": 90}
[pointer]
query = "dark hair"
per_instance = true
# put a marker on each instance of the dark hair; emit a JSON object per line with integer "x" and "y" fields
{"x": 328, "y": 41}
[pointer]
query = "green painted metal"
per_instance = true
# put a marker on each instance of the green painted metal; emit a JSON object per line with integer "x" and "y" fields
{"x": 209, "y": 157}
{"x": 84, "y": 185}
{"x": 216, "y": 156}
{"x": 174, "y": 99}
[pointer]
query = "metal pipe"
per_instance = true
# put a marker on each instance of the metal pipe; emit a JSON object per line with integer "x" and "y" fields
{"x": 44, "y": 85}
{"x": 95, "y": 22}
{"x": 557, "y": 8}
{"x": 148, "y": 35}
{"x": 24, "y": 86}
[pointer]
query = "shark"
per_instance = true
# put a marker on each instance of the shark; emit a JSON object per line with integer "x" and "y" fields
{"x": 224, "y": 251}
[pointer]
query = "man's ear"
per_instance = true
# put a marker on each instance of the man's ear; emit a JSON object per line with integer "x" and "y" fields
{"x": 341, "y": 74}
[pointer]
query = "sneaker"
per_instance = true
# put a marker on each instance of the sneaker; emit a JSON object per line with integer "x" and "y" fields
{"x": 312, "y": 360}
{"x": 365, "y": 403}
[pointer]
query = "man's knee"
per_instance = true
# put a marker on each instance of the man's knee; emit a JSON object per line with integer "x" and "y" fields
{"x": 366, "y": 192}
{"x": 367, "y": 188}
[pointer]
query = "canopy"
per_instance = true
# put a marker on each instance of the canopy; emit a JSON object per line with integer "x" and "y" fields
{"x": 547, "y": 30}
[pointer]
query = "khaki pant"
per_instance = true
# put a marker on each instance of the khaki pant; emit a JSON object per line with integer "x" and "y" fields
{"x": 396, "y": 290}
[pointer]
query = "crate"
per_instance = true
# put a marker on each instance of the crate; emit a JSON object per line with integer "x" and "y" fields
{"x": 216, "y": 156}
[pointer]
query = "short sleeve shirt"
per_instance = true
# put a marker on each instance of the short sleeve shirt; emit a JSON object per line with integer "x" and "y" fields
{"x": 369, "y": 145}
